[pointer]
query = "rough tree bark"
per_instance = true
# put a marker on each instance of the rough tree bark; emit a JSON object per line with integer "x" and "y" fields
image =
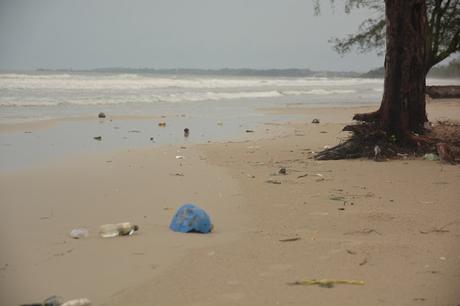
{"x": 402, "y": 111}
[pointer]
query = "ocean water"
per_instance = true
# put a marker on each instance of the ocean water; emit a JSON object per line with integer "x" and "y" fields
{"x": 30, "y": 96}
{"x": 45, "y": 95}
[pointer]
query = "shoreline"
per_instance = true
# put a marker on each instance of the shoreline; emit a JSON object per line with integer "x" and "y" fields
{"x": 288, "y": 108}
{"x": 349, "y": 220}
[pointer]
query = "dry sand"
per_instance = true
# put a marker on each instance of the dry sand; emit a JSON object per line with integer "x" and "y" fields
{"x": 395, "y": 225}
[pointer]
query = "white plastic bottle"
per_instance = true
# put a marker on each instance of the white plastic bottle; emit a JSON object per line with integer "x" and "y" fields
{"x": 114, "y": 230}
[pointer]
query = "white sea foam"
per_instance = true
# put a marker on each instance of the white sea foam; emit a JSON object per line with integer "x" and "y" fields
{"x": 154, "y": 98}
{"x": 318, "y": 92}
{"x": 136, "y": 82}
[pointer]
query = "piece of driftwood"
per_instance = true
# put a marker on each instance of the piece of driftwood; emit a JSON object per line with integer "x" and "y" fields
{"x": 437, "y": 92}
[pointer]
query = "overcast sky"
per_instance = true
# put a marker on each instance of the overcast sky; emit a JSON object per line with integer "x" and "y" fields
{"x": 84, "y": 34}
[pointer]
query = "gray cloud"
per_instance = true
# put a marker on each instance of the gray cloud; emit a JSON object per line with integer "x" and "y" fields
{"x": 83, "y": 34}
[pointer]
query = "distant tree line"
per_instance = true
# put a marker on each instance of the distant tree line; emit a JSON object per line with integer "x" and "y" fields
{"x": 451, "y": 70}
{"x": 290, "y": 72}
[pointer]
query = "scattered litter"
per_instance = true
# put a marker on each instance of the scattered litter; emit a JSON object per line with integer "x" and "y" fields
{"x": 327, "y": 283}
{"x": 326, "y": 147}
{"x": 152, "y": 139}
{"x": 249, "y": 131}
{"x": 179, "y": 157}
{"x": 289, "y": 239}
{"x": 301, "y": 176}
{"x": 282, "y": 171}
{"x": 377, "y": 151}
{"x": 273, "y": 182}
{"x": 53, "y": 301}
{"x": 316, "y": 121}
{"x": 323, "y": 132}
{"x": 431, "y": 156}
{"x": 119, "y": 229}
{"x": 351, "y": 252}
{"x": 177, "y": 174}
{"x": 78, "y": 233}
{"x": 77, "y": 302}
{"x": 250, "y": 175}
{"x": 444, "y": 153}
{"x": 336, "y": 198}
{"x": 162, "y": 124}
{"x": 438, "y": 230}
{"x": 58, "y": 301}
{"x": 99, "y": 138}
{"x": 362, "y": 263}
{"x": 186, "y": 132}
{"x": 190, "y": 218}
{"x": 364, "y": 231}
{"x": 341, "y": 208}
{"x": 101, "y": 115}
{"x": 321, "y": 178}
{"x": 47, "y": 217}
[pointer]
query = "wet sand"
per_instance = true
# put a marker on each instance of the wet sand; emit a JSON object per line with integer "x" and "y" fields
{"x": 394, "y": 225}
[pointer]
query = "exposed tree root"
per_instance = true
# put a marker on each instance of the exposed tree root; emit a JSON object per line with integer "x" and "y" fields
{"x": 368, "y": 141}
{"x": 447, "y": 134}
{"x": 367, "y": 117}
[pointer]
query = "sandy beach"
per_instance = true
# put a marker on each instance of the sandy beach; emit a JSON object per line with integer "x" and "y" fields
{"x": 394, "y": 225}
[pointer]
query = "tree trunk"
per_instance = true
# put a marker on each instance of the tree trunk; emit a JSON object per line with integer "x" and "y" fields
{"x": 402, "y": 111}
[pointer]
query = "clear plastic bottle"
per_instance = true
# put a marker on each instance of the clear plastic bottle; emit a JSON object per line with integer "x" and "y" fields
{"x": 108, "y": 231}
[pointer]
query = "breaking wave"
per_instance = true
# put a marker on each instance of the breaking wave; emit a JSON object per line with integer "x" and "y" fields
{"x": 51, "y": 89}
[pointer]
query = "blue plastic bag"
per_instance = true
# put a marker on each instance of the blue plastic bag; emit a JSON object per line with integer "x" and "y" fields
{"x": 190, "y": 218}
